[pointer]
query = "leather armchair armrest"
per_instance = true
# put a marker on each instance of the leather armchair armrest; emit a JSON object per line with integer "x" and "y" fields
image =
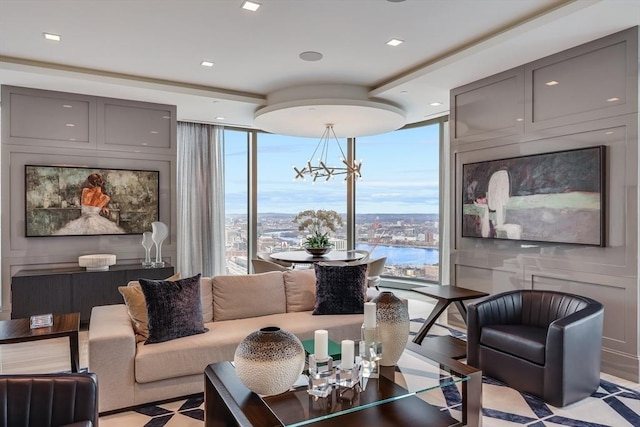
{"x": 80, "y": 424}
{"x": 573, "y": 351}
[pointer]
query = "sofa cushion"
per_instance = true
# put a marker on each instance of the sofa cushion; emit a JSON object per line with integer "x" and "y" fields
{"x": 340, "y": 289}
{"x": 191, "y": 355}
{"x": 525, "y": 342}
{"x": 137, "y": 306}
{"x": 252, "y": 295}
{"x": 300, "y": 289}
{"x": 174, "y": 309}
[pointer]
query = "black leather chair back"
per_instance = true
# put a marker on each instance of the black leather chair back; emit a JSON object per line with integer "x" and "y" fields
{"x": 541, "y": 308}
{"x": 48, "y": 400}
{"x": 529, "y": 307}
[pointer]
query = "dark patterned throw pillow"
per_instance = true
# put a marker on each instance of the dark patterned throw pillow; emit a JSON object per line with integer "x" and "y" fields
{"x": 174, "y": 309}
{"x": 340, "y": 289}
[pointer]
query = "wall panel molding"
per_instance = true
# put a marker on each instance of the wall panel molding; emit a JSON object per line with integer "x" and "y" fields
{"x": 608, "y": 274}
{"x": 20, "y": 252}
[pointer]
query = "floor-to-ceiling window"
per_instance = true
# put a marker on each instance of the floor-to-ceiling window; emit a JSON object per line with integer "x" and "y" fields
{"x": 280, "y": 197}
{"x": 396, "y": 203}
{"x": 236, "y": 155}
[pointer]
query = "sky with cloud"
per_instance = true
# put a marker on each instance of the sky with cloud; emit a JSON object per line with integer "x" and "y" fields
{"x": 400, "y": 173}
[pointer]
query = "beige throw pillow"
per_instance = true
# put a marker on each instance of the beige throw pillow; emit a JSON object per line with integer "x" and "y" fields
{"x": 251, "y": 295}
{"x": 137, "y": 306}
{"x": 300, "y": 288}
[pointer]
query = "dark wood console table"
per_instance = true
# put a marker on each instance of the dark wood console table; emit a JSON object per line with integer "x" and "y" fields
{"x": 73, "y": 289}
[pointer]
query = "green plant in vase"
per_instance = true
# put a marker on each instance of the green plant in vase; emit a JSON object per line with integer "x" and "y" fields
{"x": 315, "y": 223}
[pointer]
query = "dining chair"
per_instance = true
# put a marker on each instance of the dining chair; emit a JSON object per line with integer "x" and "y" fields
{"x": 262, "y": 266}
{"x": 375, "y": 268}
{"x": 364, "y": 258}
{"x": 266, "y": 257}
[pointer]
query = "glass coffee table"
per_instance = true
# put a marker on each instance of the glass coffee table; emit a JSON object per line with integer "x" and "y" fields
{"x": 397, "y": 398}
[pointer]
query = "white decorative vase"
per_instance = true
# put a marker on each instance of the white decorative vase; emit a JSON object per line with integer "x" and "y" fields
{"x": 269, "y": 361}
{"x": 147, "y": 244}
{"x": 392, "y": 318}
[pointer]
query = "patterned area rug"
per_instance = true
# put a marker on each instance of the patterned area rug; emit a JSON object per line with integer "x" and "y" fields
{"x": 612, "y": 405}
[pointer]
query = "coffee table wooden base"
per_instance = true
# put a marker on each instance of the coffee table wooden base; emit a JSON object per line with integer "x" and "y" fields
{"x": 446, "y": 345}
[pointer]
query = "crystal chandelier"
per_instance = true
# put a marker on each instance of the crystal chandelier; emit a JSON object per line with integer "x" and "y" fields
{"x": 322, "y": 169}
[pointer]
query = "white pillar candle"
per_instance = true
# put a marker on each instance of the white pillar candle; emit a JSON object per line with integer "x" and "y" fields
{"x": 348, "y": 354}
{"x": 369, "y": 314}
{"x": 321, "y": 344}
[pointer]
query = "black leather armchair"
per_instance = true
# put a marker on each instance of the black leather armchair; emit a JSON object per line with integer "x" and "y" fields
{"x": 52, "y": 400}
{"x": 541, "y": 342}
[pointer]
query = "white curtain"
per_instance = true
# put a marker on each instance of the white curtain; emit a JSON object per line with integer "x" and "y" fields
{"x": 200, "y": 210}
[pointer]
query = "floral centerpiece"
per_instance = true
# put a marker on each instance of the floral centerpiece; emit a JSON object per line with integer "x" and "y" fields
{"x": 315, "y": 222}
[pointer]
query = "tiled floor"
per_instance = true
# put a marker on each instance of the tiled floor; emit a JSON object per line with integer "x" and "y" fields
{"x": 616, "y": 403}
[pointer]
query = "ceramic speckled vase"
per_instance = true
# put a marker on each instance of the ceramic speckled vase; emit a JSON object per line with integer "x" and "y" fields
{"x": 392, "y": 317}
{"x": 269, "y": 361}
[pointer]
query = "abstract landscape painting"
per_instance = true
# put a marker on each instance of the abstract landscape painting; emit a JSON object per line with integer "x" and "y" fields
{"x": 552, "y": 197}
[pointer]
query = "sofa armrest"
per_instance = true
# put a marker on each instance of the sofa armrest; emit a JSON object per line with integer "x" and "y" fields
{"x": 112, "y": 351}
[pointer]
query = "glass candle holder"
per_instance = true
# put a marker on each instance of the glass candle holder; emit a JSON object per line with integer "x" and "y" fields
{"x": 321, "y": 376}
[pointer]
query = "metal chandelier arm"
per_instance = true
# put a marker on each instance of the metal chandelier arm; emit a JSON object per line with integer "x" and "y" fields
{"x": 322, "y": 169}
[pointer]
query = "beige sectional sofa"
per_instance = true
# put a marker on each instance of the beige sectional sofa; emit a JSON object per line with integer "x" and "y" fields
{"x": 131, "y": 373}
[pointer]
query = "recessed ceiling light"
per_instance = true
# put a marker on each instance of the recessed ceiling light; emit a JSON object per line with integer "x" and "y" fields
{"x": 519, "y": 119}
{"x": 613, "y": 99}
{"x": 250, "y": 5}
{"x": 53, "y": 37}
{"x": 609, "y": 133}
{"x": 166, "y": 117}
{"x": 154, "y": 131}
{"x": 395, "y": 42}
{"x": 552, "y": 83}
{"x": 206, "y": 64}
{"x": 219, "y": 118}
{"x": 436, "y": 104}
{"x": 310, "y": 56}
{"x": 69, "y": 125}
{"x": 67, "y": 106}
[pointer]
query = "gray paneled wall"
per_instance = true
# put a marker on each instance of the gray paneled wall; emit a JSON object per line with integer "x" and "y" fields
{"x": 593, "y": 102}
{"x": 53, "y": 128}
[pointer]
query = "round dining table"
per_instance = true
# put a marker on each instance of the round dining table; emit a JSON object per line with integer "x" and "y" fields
{"x": 303, "y": 257}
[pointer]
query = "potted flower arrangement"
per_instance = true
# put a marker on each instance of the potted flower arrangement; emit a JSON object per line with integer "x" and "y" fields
{"x": 315, "y": 222}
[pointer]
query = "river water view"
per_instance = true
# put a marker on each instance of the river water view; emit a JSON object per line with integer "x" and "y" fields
{"x": 402, "y": 255}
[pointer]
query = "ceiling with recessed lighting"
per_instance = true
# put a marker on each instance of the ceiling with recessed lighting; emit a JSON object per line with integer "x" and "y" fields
{"x": 291, "y": 66}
